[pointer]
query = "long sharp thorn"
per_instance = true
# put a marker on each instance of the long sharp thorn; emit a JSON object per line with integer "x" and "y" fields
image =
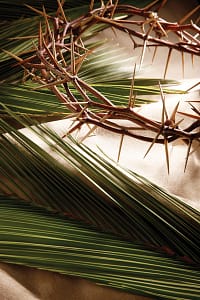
{"x": 197, "y": 21}
{"x": 154, "y": 53}
{"x": 36, "y": 10}
{"x": 120, "y": 147}
{"x": 166, "y": 154}
{"x": 164, "y": 116}
{"x": 93, "y": 128}
{"x": 91, "y": 5}
{"x": 173, "y": 114}
{"x": 164, "y": 111}
{"x": 143, "y": 53}
{"x": 177, "y": 123}
{"x": 149, "y": 6}
{"x": 162, "y": 4}
{"x": 167, "y": 62}
{"x": 47, "y": 22}
{"x": 72, "y": 129}
{"x": 48, "y": 85}
{"x": 162, "y": 122}
{"x": 187, "y": 155}
{"x": 190, "y": 115}
{"x": 77, "y": 116}
{"x": 192, "y": 59}
{"x": 114, "y": 8}
{"x": 102, "y": 4}
{"x": 162, "y": 29}
{"x": 62, "y": 58}
{"x": 73, "y": 65}
{"x": 13, "y": 55}
{"x": 131, "y": 99}
{"x": 81, "y": 59}
{"x": 153, "y": 142}
{"x": 62, "y": 11}
{"x": 53, "y": 46}
{"x": 88, "y": 134}
{"x": 40, "y": 35}
{"x": 189, "y": 14}
{"x": 50, "y": 53}
{"x": 183, "y": 64}
{"x": 195, "y": 109}
{"x": 196, "y": 84}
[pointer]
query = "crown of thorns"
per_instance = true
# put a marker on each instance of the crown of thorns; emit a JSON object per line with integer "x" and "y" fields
{"x": 57, "y": 59}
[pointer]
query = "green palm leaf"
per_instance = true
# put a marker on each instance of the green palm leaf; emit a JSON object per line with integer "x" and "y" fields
{"x": 127, "y": 204}
{"x": 31, "y": 236}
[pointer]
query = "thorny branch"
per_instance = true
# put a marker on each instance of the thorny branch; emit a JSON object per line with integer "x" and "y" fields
{"x": 60, "y": 52}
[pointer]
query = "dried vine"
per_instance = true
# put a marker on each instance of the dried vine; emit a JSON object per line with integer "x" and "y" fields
{"x": 60, "y": 52}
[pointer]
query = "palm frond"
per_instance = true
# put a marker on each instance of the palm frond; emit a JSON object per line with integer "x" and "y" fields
{"x": 127, "y": 204}
{"x": 31, "y": 236}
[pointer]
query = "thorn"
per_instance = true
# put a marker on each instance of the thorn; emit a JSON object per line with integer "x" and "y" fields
{"x": 164, "y": 111}
{"x": 189, "y": 115}
{"x": 154, "y": 53}
{"x": 88, "y": 134}
{"x": 104, "y": 7}
{"x": 79, "y": 61}
{"x": 36, "y": 10}
{"x": 53, "y": 46}
{"x": 187, "y": 155}
{"x": 73, "y": 128}
{"x": 40, "y": 37}
{"x": 114, "y": 8}
{"x": 114, "y": 31}
{"x": 173, "y": 115}
{"x": 48, "y": 85}
{"x": 161, "y": 5}
{"x": 150, "y": 5}
{"x": 189, "y": 14}
{"x": 120, "y": 147}
{"x": 177, "y": 123}
{"x": 143, "y": 53}
{"x": 75, "y": 121}
{"x": 196, "y": 84}
{"x": 153, "y": 142}
{"x": 164, "y": 117}
{"x": 13, "y": 55}
{"x": 50, "y": 54}
{"x": 194, "y": 109}
{"x": 167, "y": 63}
{"x": 93, "y": 128}
{"x": 166, "y": 153}
{"x": 62, "y": 58}
{"x": 73, "y": 65}
{"x": 197, "y": 20}
{"x": 131, "y": 102}
{"x": 162, "y": 29}
{"x": 192, "y": 60}
{"x": 102, "y": 4}
{"x": 196, "y": 148}
{"x": 47, "y": 22}
{"x": 183, "y": 64}
{"x": 91, "y": 5}
{"x": 61, "y": 10}
{"x": 27, "y": 37}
